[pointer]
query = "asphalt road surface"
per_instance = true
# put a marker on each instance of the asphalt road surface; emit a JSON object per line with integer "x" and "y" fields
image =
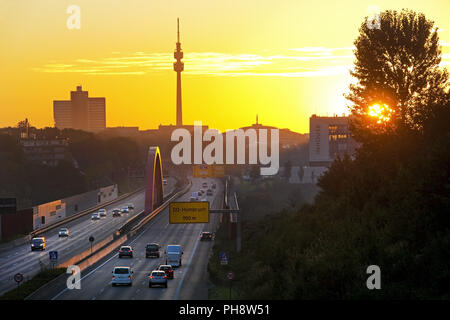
{"x": 22, "y": 259}
{"x": 190, "y": 280}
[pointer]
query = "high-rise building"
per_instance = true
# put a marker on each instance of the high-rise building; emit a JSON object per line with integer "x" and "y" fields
{"x": 62, "y": 113}
{"x": 96, "y": 114}
{"x": 80, "y": 112}
{"x": 329, "y": 138}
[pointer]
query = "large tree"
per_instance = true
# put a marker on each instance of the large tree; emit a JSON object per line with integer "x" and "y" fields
{"x": 396, "y": 67}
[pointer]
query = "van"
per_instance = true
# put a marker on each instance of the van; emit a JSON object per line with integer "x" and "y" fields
{"x": 152, "y": 250}
{"x": 38, "y": 244}
{"x": 173, "y": 255}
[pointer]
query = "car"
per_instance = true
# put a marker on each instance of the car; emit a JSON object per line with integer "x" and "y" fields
{"x": 204, "y": 200}
{"x": 192, "y": 199}
{"x": 116, "y": 212}
{"x": 63, "y": 232}
{"x": 125, "y": 210}
{"x": 165, "y": 182}
{"x": 95, "y": 216}
{"x": 167, "y": 269}
{"x": 213, "y": 186}
{"x": 152, "y": 250}
{"x": 126, "y": 251}
{"x": 102, "y": 212}
{"x": 209, "y": 192}
{"x": 204, "y": 185}
{"x": 130, "y": 206}
{"x": 205, "y": 235}
{"x": 157, "y": 277}
{"x": 38, "y": 243}
{"x": 122, "y": 275}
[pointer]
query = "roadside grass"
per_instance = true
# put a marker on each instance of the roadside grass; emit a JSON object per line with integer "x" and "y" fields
{"x": 33, "y": 284}
{"x": 222, "y": 293}
{"x": 218, "y": 272}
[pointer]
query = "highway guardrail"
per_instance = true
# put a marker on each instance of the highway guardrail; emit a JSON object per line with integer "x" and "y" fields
{"x": 82, "y": 213}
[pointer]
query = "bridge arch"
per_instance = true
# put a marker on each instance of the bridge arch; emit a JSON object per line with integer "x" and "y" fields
{"x": 154, "y": 191}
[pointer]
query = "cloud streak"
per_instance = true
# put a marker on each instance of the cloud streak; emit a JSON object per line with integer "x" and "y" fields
{"x": 295, "y": 62}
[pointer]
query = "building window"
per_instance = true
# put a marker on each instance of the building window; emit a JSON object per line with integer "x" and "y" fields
{"x": 42, "y": 220}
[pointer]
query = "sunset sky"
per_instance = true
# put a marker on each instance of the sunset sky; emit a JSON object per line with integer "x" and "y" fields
{"x": 283, "y": 60}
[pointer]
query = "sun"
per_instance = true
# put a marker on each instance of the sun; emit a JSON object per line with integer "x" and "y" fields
{"x": 381, "y": 112}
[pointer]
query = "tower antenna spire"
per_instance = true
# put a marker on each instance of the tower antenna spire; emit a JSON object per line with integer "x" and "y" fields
{"x": 178, "y": 29}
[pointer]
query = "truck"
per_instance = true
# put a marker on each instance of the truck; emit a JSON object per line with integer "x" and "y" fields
{"x": 173, "y": 255}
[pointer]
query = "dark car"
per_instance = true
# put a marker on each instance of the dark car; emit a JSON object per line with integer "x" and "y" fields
{"x": 38, "y": 244}
{"x": 167, "y": 269}
{"x": 116, "y": 212}
{"x": 209, "y": 192}
{"x": 213, "y": 186}
{"x": 126, "y": 251}
{"x": 206, "y": 236}
{"x": 152, "y": 250}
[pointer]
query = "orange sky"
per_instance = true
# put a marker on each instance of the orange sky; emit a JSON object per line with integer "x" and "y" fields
{"x": 283, "y": 60}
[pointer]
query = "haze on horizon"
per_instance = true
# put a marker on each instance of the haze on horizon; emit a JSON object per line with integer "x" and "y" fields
{"x": 282, "y": 60}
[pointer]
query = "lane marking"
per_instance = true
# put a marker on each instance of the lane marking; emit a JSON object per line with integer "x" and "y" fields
{"x": 100, "y": 266}
{"x": 177, "y": 292}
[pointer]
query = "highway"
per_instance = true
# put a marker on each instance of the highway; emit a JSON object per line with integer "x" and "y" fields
{"x": 22, "y": 259}
{"x": 190, "y": 280}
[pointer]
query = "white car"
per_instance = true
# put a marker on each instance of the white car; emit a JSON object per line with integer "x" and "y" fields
{"x": 95, "y": 216}
{"x": 157, "y": 277}
{"x": 102, "y": 212}
{"x": 63, "y": 232}
{"x": 122, "y": 275}
{"x": 165, "y": 182}
{"x": 125, "y": 209}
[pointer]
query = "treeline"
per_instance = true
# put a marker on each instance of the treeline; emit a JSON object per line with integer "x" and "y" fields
{"x": 93, "y": 162}
{"x": 388, "y": 206}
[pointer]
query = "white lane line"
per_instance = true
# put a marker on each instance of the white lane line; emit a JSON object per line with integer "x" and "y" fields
{"x": 100, "y": 266}
{"x": 177, "y": 292}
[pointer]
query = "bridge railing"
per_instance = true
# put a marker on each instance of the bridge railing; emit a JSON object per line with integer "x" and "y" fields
{"x": 128, "y": 225}
{"x": 82, "y": 213}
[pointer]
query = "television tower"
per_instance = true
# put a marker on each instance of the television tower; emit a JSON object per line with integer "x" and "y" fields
{"x": 178, "y": 67}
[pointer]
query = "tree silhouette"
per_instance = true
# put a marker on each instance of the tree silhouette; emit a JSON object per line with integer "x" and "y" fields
{"x": 398, "y": 65}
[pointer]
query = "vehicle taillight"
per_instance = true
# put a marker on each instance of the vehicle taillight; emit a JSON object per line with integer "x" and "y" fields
{"x": 129, "y": 277}
{"x": 151, "y": 277}
{"x": 113, "y": 277}
{"x": 164, "y": 277}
